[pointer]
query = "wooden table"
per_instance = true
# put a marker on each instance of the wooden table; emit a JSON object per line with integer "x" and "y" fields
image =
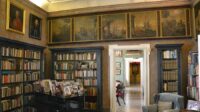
{"x": 185, "y": 110}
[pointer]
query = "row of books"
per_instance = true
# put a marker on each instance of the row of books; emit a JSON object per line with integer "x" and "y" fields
{"x": 90, "y": 105}
{"x": 87, "y": 65}
{"x": 90, "y": 82}
{"x": 170, "y": 54}
{"x": 91, "y": 91}
{"x": 193, "y": 81}
{"x": 85, "y": 56}
{"x": 193, "y": 92}
{"x": 13, "y": 52}
{"x": 169, "y": 64}
{"x": 12, "y": 78}
{"x": 193, "y": 76}
{"x": 170, "y": 75}
{"x": 67, "y": 56}
{"x": 32, "y": 54}
{"x": 31, "y": 76}
{"x": 9, "y": 65}
{"x": 64, "y": 75}
{"x": 10, "y": 91}
{"x": 32, "y": 65}
{"x": 64, "y": 66}
{"x": 170, "y": 86}
{"x": 193, "y": 69}
{"x": 28, "y": 88}
{"x": 85, "y": 73}
{"x": 12, "y": 103}
{"x": 76, "y": 56}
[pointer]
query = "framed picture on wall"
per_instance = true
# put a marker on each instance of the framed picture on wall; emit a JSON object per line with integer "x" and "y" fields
{"x": 118, "y": 53}
{"x": 15, "y": 20}
{"x": 143, "y": 24}
{"x": 86, "y": 28}
{"x": 197, "y": 18}
{"x": 118, "y": 65}
{"x": 35, "y": 27}
{"x": 61, "y": 30}
{"x": 114, "y": 26}
{"x": 173, "y": 22}
{"x": 117, "y": 72}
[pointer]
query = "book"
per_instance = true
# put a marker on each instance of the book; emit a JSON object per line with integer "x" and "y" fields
{"x": 7, "y": 91}
{"x": 12, "y": 103}
{"x": 193, "y": 105}
{"x": 32, "y": 54}
{"x": 12, "y": 52}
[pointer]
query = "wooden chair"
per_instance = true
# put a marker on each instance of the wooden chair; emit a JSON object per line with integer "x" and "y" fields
{"x": 120, "y": 91}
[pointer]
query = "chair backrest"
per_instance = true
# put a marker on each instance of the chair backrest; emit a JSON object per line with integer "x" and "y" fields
{"x": 177, "y": 100}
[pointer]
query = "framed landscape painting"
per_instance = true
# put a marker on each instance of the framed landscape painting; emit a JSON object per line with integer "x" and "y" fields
{"x": 114, "y": 26}
{"x": 143, "y": 24}
{"x": 197, "y": 18}
{"x": 61, "y": 30}
{"x": 173, "y": 22}
{"x": 35, "y": 27}
{"x": 15, "y": 18}
{"x": 86, "y": 28}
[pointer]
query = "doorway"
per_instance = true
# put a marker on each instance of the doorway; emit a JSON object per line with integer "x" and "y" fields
{"x": 145, "y": 48}
{"x": 134, "y": 73}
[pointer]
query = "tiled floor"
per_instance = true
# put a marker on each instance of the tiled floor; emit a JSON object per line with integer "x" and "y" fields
{"x": 133, "y": 100}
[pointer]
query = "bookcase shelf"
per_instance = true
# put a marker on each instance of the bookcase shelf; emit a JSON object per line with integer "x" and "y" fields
{"x": 82, "y": 65}
{"x": 169, "y": 68}
{"x": 16, "y": 61}
{"x": 193, "y": 76}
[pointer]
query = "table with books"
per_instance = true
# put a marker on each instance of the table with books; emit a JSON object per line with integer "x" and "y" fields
{"x": 58, "y": 98}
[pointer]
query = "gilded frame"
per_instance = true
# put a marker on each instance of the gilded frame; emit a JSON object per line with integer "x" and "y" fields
{"x": 196, "y": 18}
{"x": 8, "y": 17}
{"x": 126, "y": 25}
{"x": 185, "y": 22}
{"x": 81, "y": 18}
{"x": 157, "y": 24}
{"x": 51, "y": 31}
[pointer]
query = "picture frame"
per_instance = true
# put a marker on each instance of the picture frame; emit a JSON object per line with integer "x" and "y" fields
{"x": 86, "y": 28}
{"x": 196, "y": 12}
{"x": 61, "y": 30}
{"x": 118, "y": 53}
{"x": 117, "y": 72}
{"x": 35, "y": 27}
{"x": 114, "y": 26}
{"x": 15, "y": 19}
{"x": 143, "y": 24}
{"x": 118, "y": 65}
{"x": 173, "y": 23}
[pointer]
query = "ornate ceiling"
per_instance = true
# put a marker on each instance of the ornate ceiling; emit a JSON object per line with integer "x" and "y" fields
{"x": 60, "y": 5}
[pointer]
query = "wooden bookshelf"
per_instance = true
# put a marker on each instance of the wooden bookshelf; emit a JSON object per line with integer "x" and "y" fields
{"x": 19, "y": 67}
{"x": 169, "y": 68}
{"x": 82, "y": 65}
{"x": 193, "y": 76}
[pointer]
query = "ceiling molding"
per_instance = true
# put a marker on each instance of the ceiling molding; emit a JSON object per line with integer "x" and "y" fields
{"x": 130, "y": 6}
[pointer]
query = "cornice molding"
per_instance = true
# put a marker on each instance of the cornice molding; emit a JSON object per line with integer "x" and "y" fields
{"x": 121, "y": 7}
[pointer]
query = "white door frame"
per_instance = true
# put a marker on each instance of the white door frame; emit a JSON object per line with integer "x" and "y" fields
{"x": 127, "y": 69}
{"x": 146, "y": 50}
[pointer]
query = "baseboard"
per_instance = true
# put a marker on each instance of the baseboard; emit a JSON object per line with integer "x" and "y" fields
{"x": 106, "y": 110}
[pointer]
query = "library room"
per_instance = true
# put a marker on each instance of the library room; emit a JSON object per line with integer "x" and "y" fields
{"x": 99, "y": 55}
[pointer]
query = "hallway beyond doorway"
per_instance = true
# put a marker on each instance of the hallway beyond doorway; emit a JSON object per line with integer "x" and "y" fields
{"x": 133, "y": 99}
